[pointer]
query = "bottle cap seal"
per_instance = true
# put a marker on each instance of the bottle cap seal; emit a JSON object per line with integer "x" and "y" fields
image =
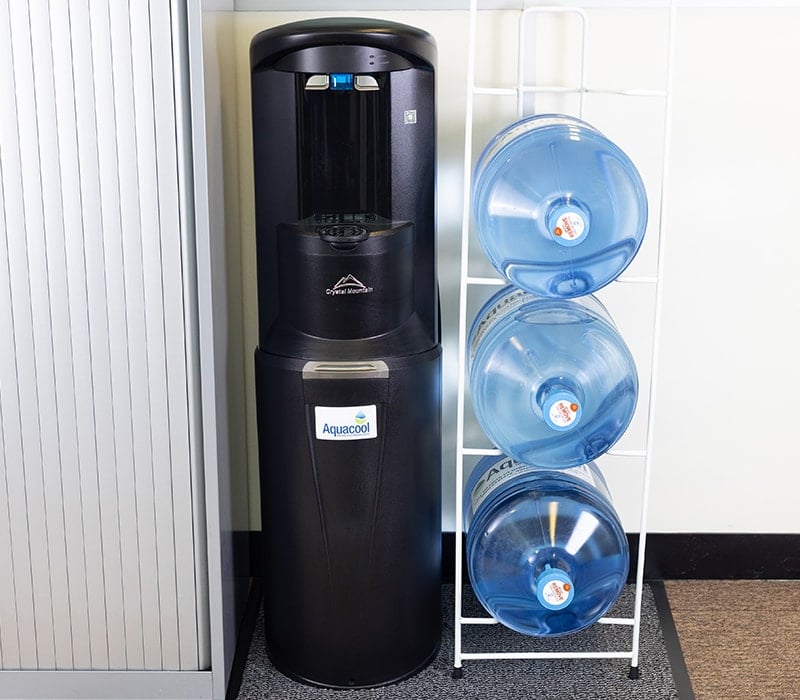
{"x": 554, "y": 588}
{"x": 562, "y": 410}
{"x": 568, "y": 225}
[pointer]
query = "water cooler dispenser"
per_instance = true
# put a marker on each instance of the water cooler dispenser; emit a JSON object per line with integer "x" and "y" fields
{"x": 348, "y": 366}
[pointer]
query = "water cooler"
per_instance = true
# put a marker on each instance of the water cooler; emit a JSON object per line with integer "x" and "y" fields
{"x": 348, "y": 367}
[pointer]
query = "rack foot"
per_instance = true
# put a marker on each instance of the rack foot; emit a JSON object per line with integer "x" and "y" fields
{"x": 458, "y": 673}
{"x": 633, "y": 674}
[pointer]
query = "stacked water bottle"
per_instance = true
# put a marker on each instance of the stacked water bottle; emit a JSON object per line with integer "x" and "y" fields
{"x": 560, "y": 212}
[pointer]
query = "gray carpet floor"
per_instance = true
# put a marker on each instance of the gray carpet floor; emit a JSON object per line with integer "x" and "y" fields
{"x": 577, "y": 679}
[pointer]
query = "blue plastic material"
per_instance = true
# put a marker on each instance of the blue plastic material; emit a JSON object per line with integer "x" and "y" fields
{"x": 560, "y": 210}
{"x": 546, "y": 552}
{"x": 341, "y": 81}
{"x": 552, "y": 381}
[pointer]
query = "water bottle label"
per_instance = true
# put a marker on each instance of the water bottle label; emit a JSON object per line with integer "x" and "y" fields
{"x": 506, "y": 469}
{"x": 562, "y": 414}
{"x": 506, "y": 304}
{"x": 346, "y": 422}
{"x": 526, "y": 125}
{"x": 556, "y": 594}
{"x": 569, "y": 228}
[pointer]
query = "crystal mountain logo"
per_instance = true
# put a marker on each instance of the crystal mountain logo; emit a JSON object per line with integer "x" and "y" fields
{"x": 348, "y": 285}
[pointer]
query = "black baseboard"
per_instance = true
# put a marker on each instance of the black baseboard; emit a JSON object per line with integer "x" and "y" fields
{"x": 244, "y": 638}
{"x": 722, "y": 556}
{"x": 680, "y": 674}
{"x": 667, "y": 556}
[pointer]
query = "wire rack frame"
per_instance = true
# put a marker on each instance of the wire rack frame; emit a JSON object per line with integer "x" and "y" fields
{"x": 521, "y": 90}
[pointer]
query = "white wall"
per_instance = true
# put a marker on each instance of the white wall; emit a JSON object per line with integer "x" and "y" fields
{"x": 727, "y": 458}
{"x": 723, "y": 458}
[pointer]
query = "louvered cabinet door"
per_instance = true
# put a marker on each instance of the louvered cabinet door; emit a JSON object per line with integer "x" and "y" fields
{"x": 102, "y": 559}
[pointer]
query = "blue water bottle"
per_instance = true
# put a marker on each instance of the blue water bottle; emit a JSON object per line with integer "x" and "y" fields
{"x": 546, "y": 552}
{"x": 552, "y": 382}
{"x": 560, "y": 210}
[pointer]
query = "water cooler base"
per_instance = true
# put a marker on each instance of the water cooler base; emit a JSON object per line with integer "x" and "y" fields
{"x": 351, "y": 512}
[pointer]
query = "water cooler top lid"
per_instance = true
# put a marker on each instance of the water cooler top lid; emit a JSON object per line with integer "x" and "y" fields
{"x": 414, "y": 44}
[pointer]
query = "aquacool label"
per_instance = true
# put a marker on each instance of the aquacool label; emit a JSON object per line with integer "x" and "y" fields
{"x": 505, "y": 304}
{"x": 506, "y": 469}
{"x": 346, "y": 422}
{"x": 527, "y": 125}
{"x": 498, "y": 474}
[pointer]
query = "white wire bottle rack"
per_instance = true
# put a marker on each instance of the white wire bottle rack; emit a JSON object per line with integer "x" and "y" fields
{"x": 524, "y": 91}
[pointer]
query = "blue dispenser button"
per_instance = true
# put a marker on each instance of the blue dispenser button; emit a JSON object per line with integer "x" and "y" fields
{"x": 341, "y": 81}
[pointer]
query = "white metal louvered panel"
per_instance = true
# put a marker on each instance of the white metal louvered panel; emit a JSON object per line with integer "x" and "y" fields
{"x": 100, "y": 546}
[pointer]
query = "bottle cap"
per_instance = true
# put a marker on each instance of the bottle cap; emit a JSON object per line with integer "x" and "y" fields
{"x": 562, "y": 410}
{"x": 568, "y": 225}
{"x": 554, "y": 588}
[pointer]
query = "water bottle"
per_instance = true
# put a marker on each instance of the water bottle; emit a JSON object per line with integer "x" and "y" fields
{"x": 552, "y": 382}
{"x": 560, "y": 210}
{"x": 546, "y": 552}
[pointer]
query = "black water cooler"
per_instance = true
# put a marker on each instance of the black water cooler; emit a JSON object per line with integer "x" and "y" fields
{"x": 348, "y": 368}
